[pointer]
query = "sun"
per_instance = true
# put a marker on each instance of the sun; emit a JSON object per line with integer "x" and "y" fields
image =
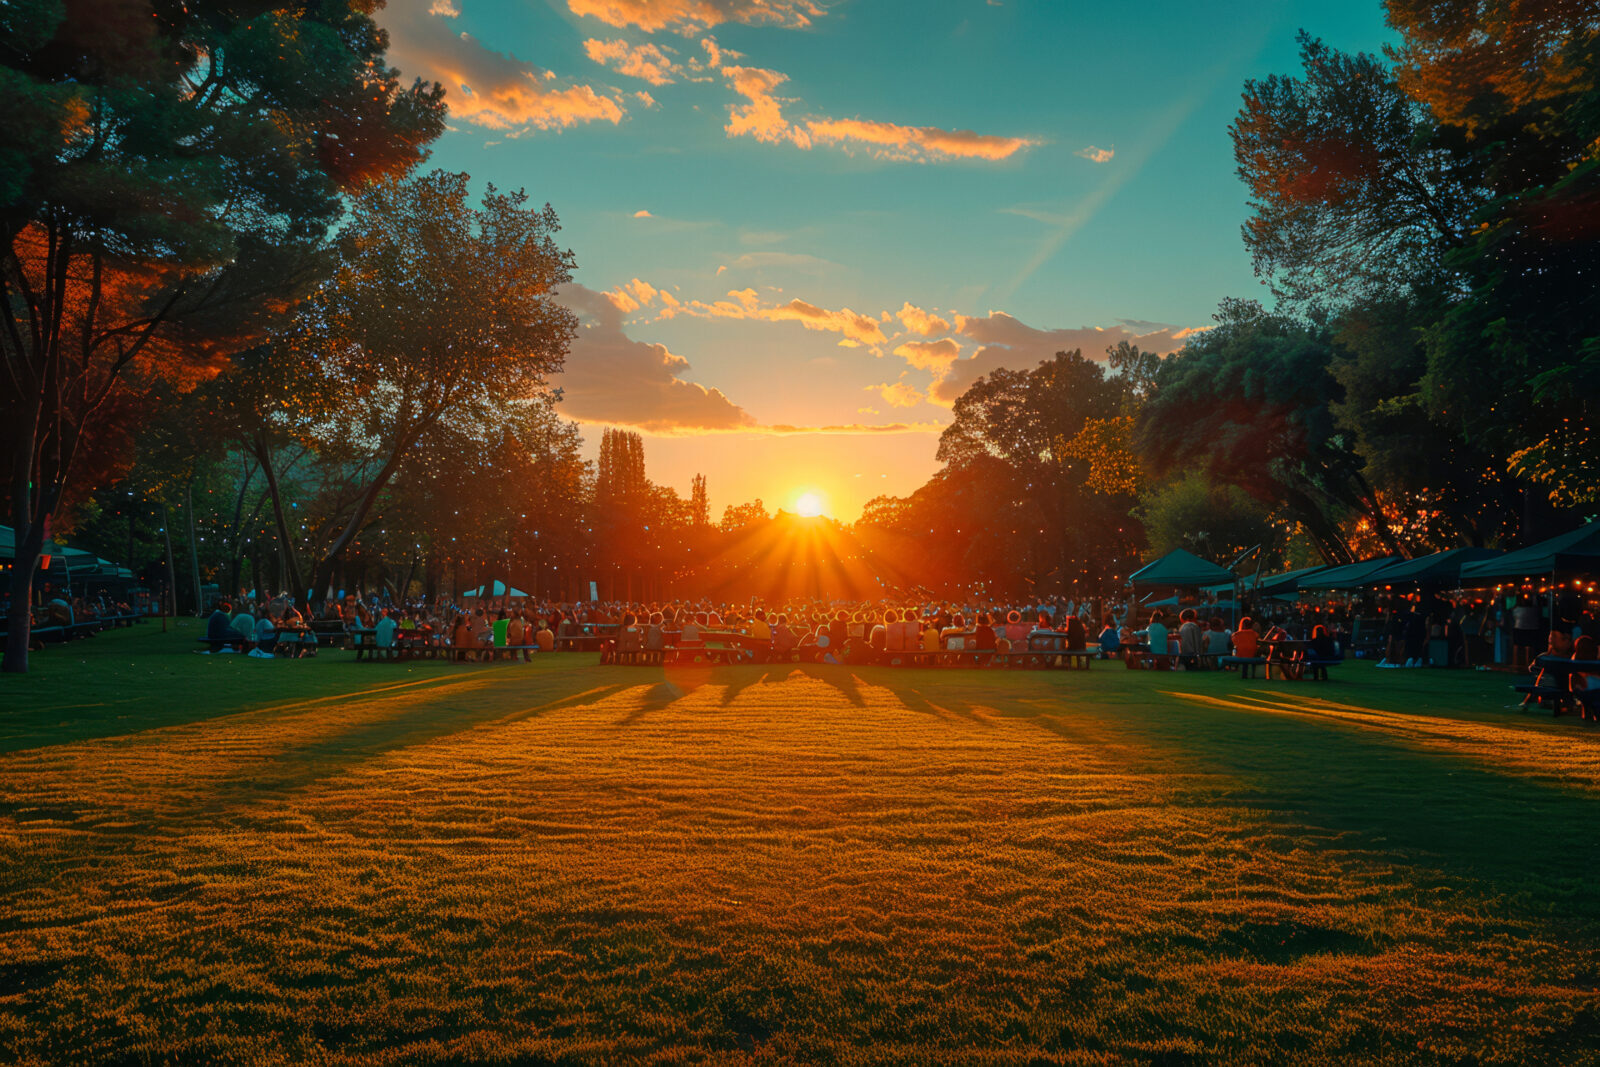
{"x": 808, "y": 505}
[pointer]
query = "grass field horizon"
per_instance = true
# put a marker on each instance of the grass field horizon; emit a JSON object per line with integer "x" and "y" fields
{"x": 222, "y": 859}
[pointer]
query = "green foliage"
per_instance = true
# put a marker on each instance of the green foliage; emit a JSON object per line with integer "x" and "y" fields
{"x": 1215, "y": 522}
{"x": 1460, "y": 180}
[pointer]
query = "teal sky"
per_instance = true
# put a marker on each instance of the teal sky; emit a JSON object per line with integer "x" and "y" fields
{"x": 986, "y": 182}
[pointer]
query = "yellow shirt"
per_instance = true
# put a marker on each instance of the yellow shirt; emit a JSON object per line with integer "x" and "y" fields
{"x": 930, "y": 640}
{"x": 546, "y": 639}
{"x": 760, "y": 630}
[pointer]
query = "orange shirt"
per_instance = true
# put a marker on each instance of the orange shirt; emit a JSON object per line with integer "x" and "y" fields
{"x": 1245, "y": 643}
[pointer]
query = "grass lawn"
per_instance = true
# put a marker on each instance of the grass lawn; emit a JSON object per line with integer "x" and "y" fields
{"x": 210, "y": 859}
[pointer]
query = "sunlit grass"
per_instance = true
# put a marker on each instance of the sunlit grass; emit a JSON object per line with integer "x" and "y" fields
{"x": 218, "y": 858}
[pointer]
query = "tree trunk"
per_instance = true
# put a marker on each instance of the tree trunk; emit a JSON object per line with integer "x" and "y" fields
{"x": 291, "y": 567}
{"x": 19, "y": 623}
{"x": 28, "y": 531}
{"x": 194, "y": 549}
{"x": 172, "y": 572}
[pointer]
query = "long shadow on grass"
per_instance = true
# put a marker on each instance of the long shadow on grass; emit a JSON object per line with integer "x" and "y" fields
{"x": 302, "y": 765}
{"x": 840, "y": 677}
{"x": 1534, "y": 841}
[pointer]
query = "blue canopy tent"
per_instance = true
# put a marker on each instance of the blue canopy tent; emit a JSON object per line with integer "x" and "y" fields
{"x": 1180, "y": 569}
{"x": 1439, "y": 569}
{"x": 1576, "y": 551}
{"x": 495, "y": 588}
{"x": 1286, "y": 586}
{"x": 1347, "y": 576}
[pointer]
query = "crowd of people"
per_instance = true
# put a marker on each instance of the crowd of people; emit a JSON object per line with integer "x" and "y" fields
{"x": 1409, "y": 632}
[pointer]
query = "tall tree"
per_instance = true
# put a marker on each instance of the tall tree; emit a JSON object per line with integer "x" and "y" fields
{"x": 1353, "y": 188}
{"x": 166, "y": 175}
{"x": 438, "y": 309}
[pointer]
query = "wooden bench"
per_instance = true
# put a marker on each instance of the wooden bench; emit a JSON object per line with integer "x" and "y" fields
{"x": 1560, "y": 696}
{"x": 1246, "y": 664}
{"x": 1317, "y": 668}
{"x": 236, "y": 643}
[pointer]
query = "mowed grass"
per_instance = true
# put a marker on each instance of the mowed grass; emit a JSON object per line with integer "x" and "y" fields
{"x": 216, "y": 859}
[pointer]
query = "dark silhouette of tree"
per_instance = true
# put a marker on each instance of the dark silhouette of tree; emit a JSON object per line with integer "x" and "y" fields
{"x": 165, "y": 183}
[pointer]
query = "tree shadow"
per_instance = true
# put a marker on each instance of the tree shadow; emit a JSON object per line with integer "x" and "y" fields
{"x": 1519, "y": 834}
{"x": 839, "y": 677}
{"x": 330, "y": 755}
{"x": 659, "y": 696}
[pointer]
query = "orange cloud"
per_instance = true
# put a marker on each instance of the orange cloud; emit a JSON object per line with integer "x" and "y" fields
{"x": 645, "y": 62}
{"x": 901, "y": 394}
{"x": 611, "y": 378}
{"x": 482, "y": 86}
{"x": 888, "y": 140}
{"x": 686, "y": 16}
{"x": 747, "y": 304}
{"x": 921, "y": 322}
{"x": 632, "y": 296}
{"x": 1097, "y": 155}
{"x": 761, "y": 117}
{"x": 929, "y": 355}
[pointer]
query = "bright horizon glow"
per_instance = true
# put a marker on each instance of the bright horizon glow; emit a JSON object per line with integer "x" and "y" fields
{"x": 809, "y": 505}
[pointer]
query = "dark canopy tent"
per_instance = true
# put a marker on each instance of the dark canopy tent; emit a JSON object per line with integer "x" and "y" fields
{"x": 1441, "y": 568}
{"x": 1349, "y": 576}
{"x": 1287, "y": 583}
{"x": 1578, "y": 550}
{"x": 1179, "y": 569}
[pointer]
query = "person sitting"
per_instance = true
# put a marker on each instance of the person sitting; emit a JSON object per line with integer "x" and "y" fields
{"x": 219, "y": 628}
{"x": 931, "y": 636}
{"x": 690, "y": 634}
{"x": 1077, "y": 634}
{"x": 266, "y": 634}
{"x": 1321, "y": 644}
{"x": 1189, "y": 640}
{"x": 1017, "y": 630}
{"x": 761, "y": 634}
{"x": 502, "y": 630}
{"x": 1560, "y": 647}
{"x": 630, "y": 639}
{"x": 517, "y": 635}
{"x": 894, "y": 633}
{"x": 655, "y": 639}
{"x": 1246, "y": 642}
{"x": 784, "y": 639}
{"x": 543, "y": 636}
{"x": 244, "y": 624}
{"x": 1110, "y": 640}
{"x": 1216, "y": 636}
{"x": 461, "y": 639}
{"x": 383, "y": 637}
{"x": 984, "y": 638}
{"x": 1155, "y": 636}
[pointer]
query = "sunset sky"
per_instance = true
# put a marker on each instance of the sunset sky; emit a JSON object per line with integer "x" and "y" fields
{"x": 803, "y": 228}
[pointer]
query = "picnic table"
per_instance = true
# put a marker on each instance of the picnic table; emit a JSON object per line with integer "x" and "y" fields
{"x": 1561, "y": 669}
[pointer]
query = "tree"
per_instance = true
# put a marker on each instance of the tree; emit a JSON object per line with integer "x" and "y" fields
{"x": 437, "y": 310}
{"x": 165, "y": 182}
{"x": 1249, "y": 403}
{"x": 1353, "y": 189}
{"x": 1033, "y": 421}
{"x": 1216, "y": 522}
{"x": 739, "y": 516}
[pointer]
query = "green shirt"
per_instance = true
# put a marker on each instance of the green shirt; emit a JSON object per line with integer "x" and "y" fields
{"x": 500, "y": 627}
